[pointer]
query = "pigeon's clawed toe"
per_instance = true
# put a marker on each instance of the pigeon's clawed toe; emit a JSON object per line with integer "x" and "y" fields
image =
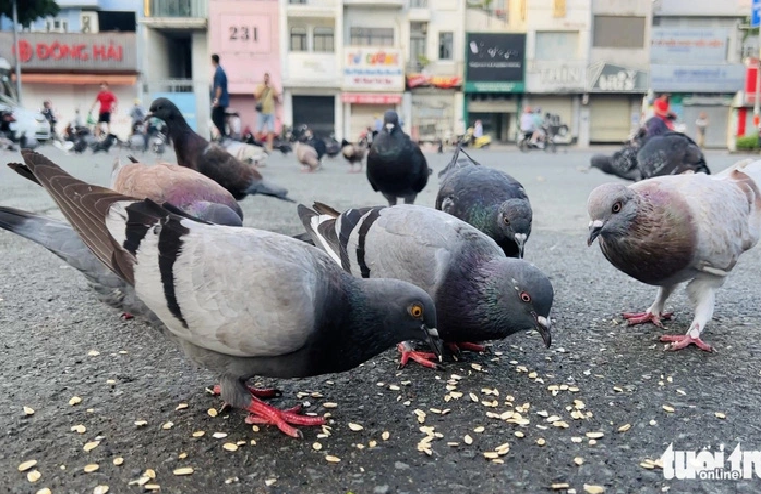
{"x": 408, "y": 353}
{"x": 633, "y": 318}
{"x": 681, "y": 341}
{"x": 262, "y": 414}
{"x": 256, "y": 393}
{"x": 467, "y": 346}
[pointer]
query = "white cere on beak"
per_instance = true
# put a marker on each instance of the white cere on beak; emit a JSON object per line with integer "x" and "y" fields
{"x": 545, "y": 322}
{"x": 521, "y": 237}
{"x": 433, "y": 332}
{"x": 390, "y": 126}
{"x": 595, "y": 224}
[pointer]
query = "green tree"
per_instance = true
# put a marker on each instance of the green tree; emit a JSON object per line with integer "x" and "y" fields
{"x": 29, "y": 10}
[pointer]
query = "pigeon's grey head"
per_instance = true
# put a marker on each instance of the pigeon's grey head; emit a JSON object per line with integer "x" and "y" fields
{"x": 514, "y": 222}
{"x": 523, "y": 297}
{"x": 390, "y": 121}
{"x": 214, "y": 213}
{"x": 409, "y": 311}
{"x": 612, "y": 209}
{"x": 164, "y": 109}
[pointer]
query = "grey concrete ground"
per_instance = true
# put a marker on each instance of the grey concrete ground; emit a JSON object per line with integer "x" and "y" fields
{"x": 613, "y": 381}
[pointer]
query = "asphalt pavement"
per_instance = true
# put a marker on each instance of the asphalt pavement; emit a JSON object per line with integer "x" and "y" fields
{"x": 585, "y": 416}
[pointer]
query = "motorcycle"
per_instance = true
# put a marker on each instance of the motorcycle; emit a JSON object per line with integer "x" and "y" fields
{"x": 525, "y": 143}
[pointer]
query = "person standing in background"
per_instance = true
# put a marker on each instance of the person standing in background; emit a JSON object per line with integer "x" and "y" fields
{"x": 221, "y": 98}
{"x": 378, "y": 125}
{"x": 108, "y": 104}
{"x": 50, "y": 116}
{"x": 137, "y": 116}
{"x": 701, "y": 124}
{"x": 266, "y": 96}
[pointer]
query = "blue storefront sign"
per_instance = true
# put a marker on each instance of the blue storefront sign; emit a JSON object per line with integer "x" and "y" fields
{"x": 688, "y": 45}
{"x": 727, "y": 78}
{"x": 755, "y": 13}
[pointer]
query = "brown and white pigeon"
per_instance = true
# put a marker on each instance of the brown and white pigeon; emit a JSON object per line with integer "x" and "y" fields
{"x": 674, "y": 229}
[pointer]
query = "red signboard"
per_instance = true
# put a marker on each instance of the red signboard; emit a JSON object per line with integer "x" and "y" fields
{"x": 420, "y": 80}
{"x": 62, "y": 51}
{"x": 371, "y": 99}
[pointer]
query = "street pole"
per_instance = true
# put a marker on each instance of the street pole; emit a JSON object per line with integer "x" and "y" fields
{"x": 17, "y": 54}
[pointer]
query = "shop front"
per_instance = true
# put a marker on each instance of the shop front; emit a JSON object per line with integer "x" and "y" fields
{"x": 312, "y": 94}
{"x": 557, "y": 88}
{"x": 245, "y": 35}
{"x": 690, "y": 64}
{"x": 434, "y": 103}
{"x": 614, "y": 102}
{"x": 68, "y": 68}
{"x": 494, "y": 80}
{"x": 373, "y": 82}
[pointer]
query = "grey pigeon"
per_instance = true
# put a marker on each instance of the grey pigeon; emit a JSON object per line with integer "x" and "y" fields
{"x": 396, "y": 167}
{"x": 675, "y": 229}
{"x": 240, "y": 301}
{"x": 491, "y": 200}
{"x": 480, "y": 294}
{"x": 194, "y": 152}
{"x": 672, "y": 153}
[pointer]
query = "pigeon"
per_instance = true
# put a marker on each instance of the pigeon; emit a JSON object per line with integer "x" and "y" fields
{"x": 490, "y": 200}
{"x": 241, "y": 302}
{"x": 480, "y": 294}
{"x": 396, "y": 166}
{"x": 622, "y": 164}
{"x": 307, "y": 156}
{"x": 670, "y": 154}
{"x": 247, "y": 153}
{"x": 674, "y": 229}
{"x": 195, "y": 152}
{"x": 353, "y": 153}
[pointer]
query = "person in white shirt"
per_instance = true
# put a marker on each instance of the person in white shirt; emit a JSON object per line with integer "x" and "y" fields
{"x": 527, "y": 123}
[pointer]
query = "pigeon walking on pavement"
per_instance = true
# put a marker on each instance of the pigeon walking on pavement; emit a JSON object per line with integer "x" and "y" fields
{"x": 194, "y": 152}
{"x": 672, "y": 153}
{"x": 396, "y": 167}
{"x": 490, "y": 200}
{"x": 240, "y": 301}
{"x": 480, "y": 294}
{"x": 675, "y": 229}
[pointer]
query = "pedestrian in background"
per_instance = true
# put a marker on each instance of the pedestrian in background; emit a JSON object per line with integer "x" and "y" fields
{"x": 266, "y": 96}
{"x": 108, "y": 104}
{"x": 701, "y": 124}
{"x": 50, "y": 116}
{"x": 221, "y": 98}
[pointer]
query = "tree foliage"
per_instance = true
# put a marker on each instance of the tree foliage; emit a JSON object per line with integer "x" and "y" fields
{"x": 29, "y": 10}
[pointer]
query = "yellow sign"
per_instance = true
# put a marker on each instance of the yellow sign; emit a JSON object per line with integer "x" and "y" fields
{"x": 558, "y": 8}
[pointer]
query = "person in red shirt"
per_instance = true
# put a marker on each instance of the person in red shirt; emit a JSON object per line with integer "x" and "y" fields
{"x": 108, "y": 104}
{"x": 661, "y": 110}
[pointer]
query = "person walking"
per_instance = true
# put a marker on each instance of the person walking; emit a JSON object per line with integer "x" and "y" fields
{"x": 221, "y": 98}
{"x": 137, "y": 116}
{"x": 527, "y": 123}
{"x": 50, "y": 116}
{"x": 108, "y": 104}
{"x": 701, "y": 124}
{"x": 266, "y": 96}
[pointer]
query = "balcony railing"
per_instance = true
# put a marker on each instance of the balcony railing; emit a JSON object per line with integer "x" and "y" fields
{"x": 176, "y": 8}
{"x": 496, "y": 9}
{"x": 418, "y": 4}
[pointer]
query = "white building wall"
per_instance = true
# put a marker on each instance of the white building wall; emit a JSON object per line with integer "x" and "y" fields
{"x": 201, "y": 67}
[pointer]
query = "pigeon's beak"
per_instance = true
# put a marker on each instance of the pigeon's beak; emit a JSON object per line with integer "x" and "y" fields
{"x": 544, "y": 326}
{"x": 595, "y": 227}
{"x": 520, "y": 238}
{"x": 148, "y": 115}
{"x": 390, "y": 127}
{"x": 432, "y": 338}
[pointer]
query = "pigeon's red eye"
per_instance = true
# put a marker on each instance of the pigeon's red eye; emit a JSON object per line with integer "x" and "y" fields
{"x": 616, "y": 207}
{"x": 525, "y": 297}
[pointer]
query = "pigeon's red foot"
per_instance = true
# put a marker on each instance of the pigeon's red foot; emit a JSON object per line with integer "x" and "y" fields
{"x": 680, "y": 341}
{"x": 645, "y": 317}
{"x": 256, "y": 393}
{"x": 127, "y": 315}
{"x": 457, "y": 347}
{"x": 262, "y": 414}
{"x": 422, "y": 358}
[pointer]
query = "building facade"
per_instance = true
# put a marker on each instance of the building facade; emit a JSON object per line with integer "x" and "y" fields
{"x": 64, "y": 59}
{"x": 557, "y": 58}
{"x": 696, "y": 58}
{"x": 618, "y": 71}
{"x": 246, "y": 36}
{"x": 178, "y": 65}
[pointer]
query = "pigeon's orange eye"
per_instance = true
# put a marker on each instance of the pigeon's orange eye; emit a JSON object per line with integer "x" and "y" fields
{"x": 616, "y": 207}
{"x": 525, "y": 297}
{"x": 415, "y": 310}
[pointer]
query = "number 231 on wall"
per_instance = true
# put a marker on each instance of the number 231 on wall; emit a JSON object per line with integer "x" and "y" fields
{"x": 244, "y": 33}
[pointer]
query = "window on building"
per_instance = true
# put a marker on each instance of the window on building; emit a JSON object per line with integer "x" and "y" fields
{"x": 323, "y": 39}
{"x": 55, "y": 25}
{"x": 446, "y": 46}
{"x": 297, "y": 2}
{"x": 418, "y": 45}
{"x": 556, "y": 45}
{"x": 418, "y": 4}
{"x": 117, "y": 21}
{"x": 371, "y": 36}
{"x": 610, "y": 31}
{"x": 298, "y": 39}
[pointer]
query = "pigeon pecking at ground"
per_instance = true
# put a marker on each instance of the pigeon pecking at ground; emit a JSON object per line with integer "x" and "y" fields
{"x": 195, "y": 152}
{"x": 491, "y": 200}
{"x": 396, "y": 166}
{"x": 480, "y": 294}
{"x": 687, "y": 228}
{"x": 242, "y": 302}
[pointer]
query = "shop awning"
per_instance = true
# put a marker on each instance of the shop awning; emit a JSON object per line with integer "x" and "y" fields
{"x": 78, "y": 79}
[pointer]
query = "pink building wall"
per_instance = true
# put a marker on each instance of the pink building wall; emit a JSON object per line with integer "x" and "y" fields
{"x": 244, "y": 33}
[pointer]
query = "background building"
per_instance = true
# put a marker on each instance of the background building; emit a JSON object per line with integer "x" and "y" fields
{"x": 696, "y": 57}
{"x": 177, "y": 60}
{"x": 64, "y": 59}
